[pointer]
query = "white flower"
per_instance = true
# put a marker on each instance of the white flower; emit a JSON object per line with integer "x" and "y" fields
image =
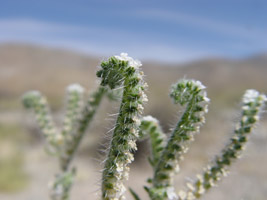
{"x": 75, "y": 88}
{"x": 134, "y": 132}
{"x": 205, "y": 98}
{"x": 206, "y": 109}
{"x": 140, "y": 108}
{"x": 33, "y": 93}
{"x": 143, "y": 96}
{"x": 133, "y": 63}
{"x": 245, "y": 107}
{"x": 150, "y": 118}
{"x": 130, "y": 157}
{"x": 132, "y": 144}
{"x": 136, "y": 121}
{"x": 256, "y": 118}
{"x": 145, "y": 85}
{"x": 119, "y": 187}
{"x": 119, "y": 166}
{"x": 199, "y": 85}
{"x": 123, "y": 56}
{"x": 171, "y": 193}
{"x": 250, "y": 96}
{"x": 263, "y": 98}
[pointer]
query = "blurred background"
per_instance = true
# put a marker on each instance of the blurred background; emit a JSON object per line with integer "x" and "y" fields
{"x": 47, "y": 45}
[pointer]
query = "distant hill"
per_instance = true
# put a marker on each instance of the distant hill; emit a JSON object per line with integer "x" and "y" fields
{"x": 27, "y": 67}
{"x": 24, "y": 67}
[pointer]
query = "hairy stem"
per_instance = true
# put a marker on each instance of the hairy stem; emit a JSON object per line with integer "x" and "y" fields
{"x": 253, "y": 103}
{"x": 72, "y": 142}
{"x": 75, "y": 94}
{"x": 60, "y": 188}
{"x": 75, "y": 122}
{"x": 188, "y": 92}
{"x": 116, "y": 72}
{"x": 36, "y": 101}
{"x": 150, "y": 127}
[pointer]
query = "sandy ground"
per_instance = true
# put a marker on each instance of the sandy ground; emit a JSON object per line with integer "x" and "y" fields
{"x": 246, "y": 181}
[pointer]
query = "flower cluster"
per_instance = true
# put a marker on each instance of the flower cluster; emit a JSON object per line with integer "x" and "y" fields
{"x": 116, "y": 72}
{"x": 64, "y": 143}
{"x": 253, "y": 103}
{"x": 73, "y": 109}
{"x": 150, "y": 128}
{"x": 132, "y": 62}
{"x": 35, "y": 100}
{"x": 188, "y": 92}
{"x": 77, "y": 119}
{"x": 121, "y": 76}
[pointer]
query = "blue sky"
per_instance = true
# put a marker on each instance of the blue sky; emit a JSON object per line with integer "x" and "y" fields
{"x": 166, "y": 30}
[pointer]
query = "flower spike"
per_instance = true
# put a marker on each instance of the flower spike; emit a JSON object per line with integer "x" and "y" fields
{"x": 188, "y": 92}
{"x": 36, "y": 101}
{"x": 253, "y": 103}
{"x": 122, "y": 71}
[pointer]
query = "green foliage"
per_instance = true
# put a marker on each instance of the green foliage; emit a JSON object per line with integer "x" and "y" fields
{"x": 64, "y": 143}
{"x": 150, "y": 128}
{"x": 166, "y": 153}
{"x": 79, "y": 126}
{"x": 122, "y": 74}
{"x": 253, "y": 103}
{"x": 122, "y": 71}
{"x": 188, "y": 92}
{"x": 62, "y": 185}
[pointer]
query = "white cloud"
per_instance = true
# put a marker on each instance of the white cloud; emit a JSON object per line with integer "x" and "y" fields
{"x": 208, "y": 24}
{"x": 95, "y": 40}
{"x": 38, "y": 26}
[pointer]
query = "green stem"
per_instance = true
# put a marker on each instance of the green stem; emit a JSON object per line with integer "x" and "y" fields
{"x": 192, "y": 93}
{"x": 118, "y": 71}
{"x": 253, "y": 103}
{"x": 36, "y": 101}
{"x": 72, "y": 143}
{"x": 150, "y": 127}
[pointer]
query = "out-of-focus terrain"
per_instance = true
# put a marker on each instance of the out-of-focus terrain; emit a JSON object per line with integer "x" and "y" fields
{"x": 25, "y": 169}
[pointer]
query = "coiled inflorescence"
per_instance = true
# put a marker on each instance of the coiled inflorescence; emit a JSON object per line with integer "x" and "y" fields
{"x": 253, "y": 103}
{"x": 122, "y": 71}
{"x": 75, "y": 94}
{"x": 65, "y": 142}
{"x": 150, "y": 127}
{"x": 188, "y": 92}
{"x": 122, "y": 74}
{"x": 79, "y": 125}
{"x": 38, "y": 103}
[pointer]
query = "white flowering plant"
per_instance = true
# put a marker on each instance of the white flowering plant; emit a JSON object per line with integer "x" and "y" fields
{"x": 124, "y": 73}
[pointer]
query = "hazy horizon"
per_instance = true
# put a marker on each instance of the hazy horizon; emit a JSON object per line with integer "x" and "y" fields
{"x": 144, "y": 60}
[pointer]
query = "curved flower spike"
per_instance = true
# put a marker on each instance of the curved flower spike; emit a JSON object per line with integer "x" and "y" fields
{"x": 188, "y": 92}
{"x": 150, "y": 128}
{"x": 34, "y": 100}
{"x": 122, "y": 71}
{"x": 75, "y": 94}
{"x": 87, "y": 113}
{"x": 253, "y": 103}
